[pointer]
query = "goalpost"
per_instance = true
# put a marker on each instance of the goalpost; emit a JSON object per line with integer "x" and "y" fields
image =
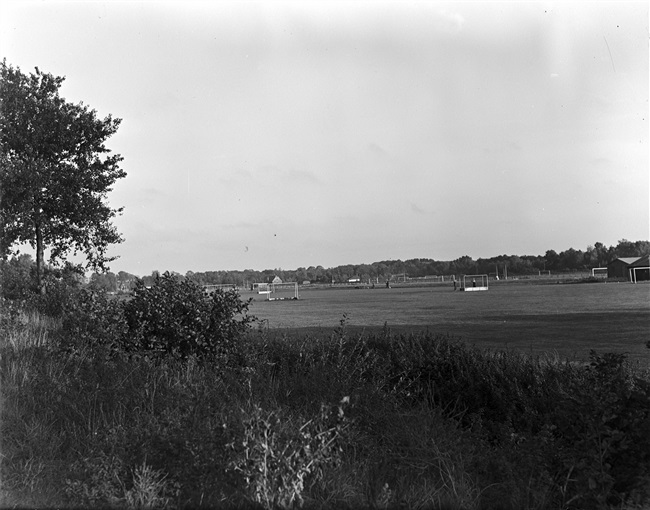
{"x": 282, "y": 291}
{"x": 209, "y": 289}
{"x": 599, "y": 271}
{"x": 262, "y": 288}
{"x": 633, "y": 270}
{"x": 472, "y": 282}
{"x": 426, "y": 279}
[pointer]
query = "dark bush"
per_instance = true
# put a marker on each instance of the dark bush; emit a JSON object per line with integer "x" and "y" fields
{"x": 92, "y": 319}
{"x": 61, "y": 285}
{"x": 175, "y": 317}
{"x": 16, "y": 277}
{"x": 601, "y": 426}
{"x": 10, "y": 312}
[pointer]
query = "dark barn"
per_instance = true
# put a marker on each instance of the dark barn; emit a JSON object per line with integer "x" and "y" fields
{"x": 641, "y": 269}
{"x": 630, "y": 268}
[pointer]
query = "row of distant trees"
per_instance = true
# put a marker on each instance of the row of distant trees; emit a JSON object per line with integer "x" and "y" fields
{"x": 18, "y": 270}
{"x": 570, "y": 260}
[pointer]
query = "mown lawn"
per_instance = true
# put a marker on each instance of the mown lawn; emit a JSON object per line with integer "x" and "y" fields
{"x": 564, "y": 319}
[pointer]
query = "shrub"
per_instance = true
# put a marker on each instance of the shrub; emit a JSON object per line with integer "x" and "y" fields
{"x": 9, "y": 317}
{"x": 61, "y": 285}
{"x": 601, "y": 425}
{"x": 92, "y": 320}
{"x": 175, "y": 317}
{"x": 16, "y": 277}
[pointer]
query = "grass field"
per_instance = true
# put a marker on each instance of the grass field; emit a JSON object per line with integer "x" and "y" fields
{"x": 567, "y": 319}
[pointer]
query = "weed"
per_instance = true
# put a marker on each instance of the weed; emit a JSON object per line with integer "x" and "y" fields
{"x": 97, "y": 481}
{"x": 149, "y": 489}
{"x": 277, "y": 460}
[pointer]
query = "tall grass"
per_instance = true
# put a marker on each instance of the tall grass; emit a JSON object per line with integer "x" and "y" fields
{"x": 334, "y": 421}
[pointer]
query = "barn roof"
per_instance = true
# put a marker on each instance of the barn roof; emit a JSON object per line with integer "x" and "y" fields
{"x": 632, "y": 261}
{"x": 641, "y": 261}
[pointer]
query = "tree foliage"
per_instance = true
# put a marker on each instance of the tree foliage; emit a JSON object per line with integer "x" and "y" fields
{"x": 55, "y": 171}
{"x": 16, "y": 277}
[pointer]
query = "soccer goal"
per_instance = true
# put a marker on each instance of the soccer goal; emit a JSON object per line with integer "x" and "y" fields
{"x": 427, "y": 279}
{"x": 262, "y": 288}
{"x": 599, "y": 272}
{"x": 643, "y": 274}
{"x": 472, "y": 282}
{"x": 210, "y": 289}
{"x": 283, "y": 291}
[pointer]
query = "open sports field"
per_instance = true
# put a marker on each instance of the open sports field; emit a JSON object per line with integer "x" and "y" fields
{"x": 567, "y": 319}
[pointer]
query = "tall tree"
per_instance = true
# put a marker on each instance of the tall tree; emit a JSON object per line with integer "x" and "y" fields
{"x": 55, "y": 172}
{"x": 626, "y": 248}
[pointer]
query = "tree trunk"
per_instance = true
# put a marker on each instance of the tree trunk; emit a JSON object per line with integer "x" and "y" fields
{"x": 39, "y": 259}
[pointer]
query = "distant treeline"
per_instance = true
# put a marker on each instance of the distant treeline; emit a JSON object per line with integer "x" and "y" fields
{"x": 571, "y": 260}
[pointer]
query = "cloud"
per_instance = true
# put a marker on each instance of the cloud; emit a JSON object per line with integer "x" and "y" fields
{"x": 451, "y": 22}
{"x": 276, "y": 174}
{"x": 301, "y": 175}
{"x": 416, "y": 209}
{"x": 601, "y": 162}
{"x": 237, "y": 176}
{"x": 376, "y": 149}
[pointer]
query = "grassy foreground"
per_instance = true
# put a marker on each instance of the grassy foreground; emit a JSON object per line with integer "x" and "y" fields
{"x": 343, "y": 420}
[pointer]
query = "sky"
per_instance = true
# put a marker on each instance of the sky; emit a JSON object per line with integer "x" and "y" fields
{"x": 266, "y": 135}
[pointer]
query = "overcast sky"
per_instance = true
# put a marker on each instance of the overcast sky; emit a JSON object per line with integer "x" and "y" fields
{"x": 279, "y": 135}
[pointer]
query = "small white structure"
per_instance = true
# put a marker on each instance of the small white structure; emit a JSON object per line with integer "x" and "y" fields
{"x": 474, "y": 282}
{"x": 599, "y": 272}
{"x": 209, "y": 289}
{"x": 283, "y": 291}
{"x": 262, "y": 288}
